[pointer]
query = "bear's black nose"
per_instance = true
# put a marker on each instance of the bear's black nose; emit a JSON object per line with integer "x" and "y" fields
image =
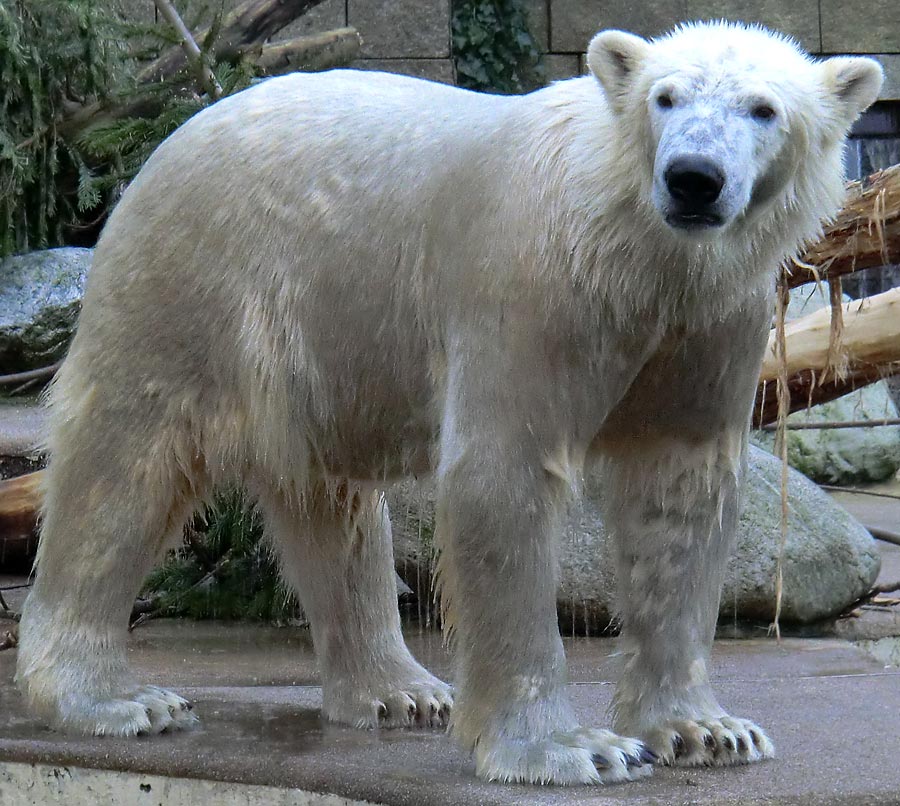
{"x": 694, "y": 181}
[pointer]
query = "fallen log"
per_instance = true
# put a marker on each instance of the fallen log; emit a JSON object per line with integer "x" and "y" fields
{"x": 20, "y": 501}
{"x": 317, "y": 52}
{"x": 251, "y": 21}
{"x": 870, "y": 342}
{"x": 865, "y": 234}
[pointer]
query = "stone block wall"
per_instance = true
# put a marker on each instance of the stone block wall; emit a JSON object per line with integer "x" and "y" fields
{"x": 413, "y": 36}
{"x": 825, "y": 27}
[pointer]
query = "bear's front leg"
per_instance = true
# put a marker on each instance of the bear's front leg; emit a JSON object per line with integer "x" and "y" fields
{"x": 673, "y": 507}
{"x": 496, "y": 513}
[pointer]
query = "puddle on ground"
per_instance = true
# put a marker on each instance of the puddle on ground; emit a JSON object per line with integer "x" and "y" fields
{"x": 885, "y": 650}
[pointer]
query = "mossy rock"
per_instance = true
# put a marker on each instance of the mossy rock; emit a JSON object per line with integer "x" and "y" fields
{"x": 40, "y": 298}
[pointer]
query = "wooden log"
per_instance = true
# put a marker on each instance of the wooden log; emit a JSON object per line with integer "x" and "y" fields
{"x": 20, "y": 502}
{"x": 865, "y": 234}
{"x": 317, "y": 52}
{"x": 870, "y": 341}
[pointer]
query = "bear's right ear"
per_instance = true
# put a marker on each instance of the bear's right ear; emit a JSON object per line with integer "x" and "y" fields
{"x": 614, "y": 57}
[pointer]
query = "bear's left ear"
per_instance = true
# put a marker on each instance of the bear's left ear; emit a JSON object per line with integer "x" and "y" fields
{"x": 855, "y": 82}
{"x": 614, "y": 57}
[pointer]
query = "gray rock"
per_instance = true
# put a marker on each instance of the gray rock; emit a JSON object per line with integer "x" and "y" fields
{"x": 830, "y": 560}
{"x": 40, "y": 297}
{"x": 845, "y": 456}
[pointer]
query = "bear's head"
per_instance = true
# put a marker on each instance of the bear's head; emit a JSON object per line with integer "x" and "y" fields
{"x": 728, "y": 122}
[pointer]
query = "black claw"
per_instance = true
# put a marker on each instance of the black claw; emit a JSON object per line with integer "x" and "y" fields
{"x": 678, "y": 745}
{"x": 600, "y": 762}
{"x": 742, "y": 744}
{"x": 648, "y": 756}
{"x": 757, "y": 739}
{"x": 382, "y": 710}
{"x": 633, "y": 761}
{"x": 188, "y": 706}
{"x": 709, "y": 741}
{"x": 728, "y": 743}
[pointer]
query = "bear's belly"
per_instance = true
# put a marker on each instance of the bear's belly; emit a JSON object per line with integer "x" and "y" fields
{"x": 379, "y": 448}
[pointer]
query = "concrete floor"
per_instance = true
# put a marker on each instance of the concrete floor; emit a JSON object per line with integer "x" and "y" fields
{"x": 832, "y": 710}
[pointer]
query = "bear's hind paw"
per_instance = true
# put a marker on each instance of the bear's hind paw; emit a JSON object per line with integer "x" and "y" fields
{"x": 719, "y": 742}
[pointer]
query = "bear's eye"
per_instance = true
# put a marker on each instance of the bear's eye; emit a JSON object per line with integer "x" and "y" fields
{"x": 664, "y": 101}
{"x": 763, "y": 112}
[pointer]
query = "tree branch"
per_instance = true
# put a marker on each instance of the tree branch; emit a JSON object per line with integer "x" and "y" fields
{"x": 192, "y": 53}
{"x": 252, "y": 21}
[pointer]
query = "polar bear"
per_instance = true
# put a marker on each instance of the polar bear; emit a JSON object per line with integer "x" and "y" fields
{"x": 331, "y": 281}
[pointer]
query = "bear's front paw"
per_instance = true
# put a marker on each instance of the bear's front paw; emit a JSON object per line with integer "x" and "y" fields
{"x": 418, "y": 702}
{"x": 709, "y": 742}
{"x": 579, "y": 756}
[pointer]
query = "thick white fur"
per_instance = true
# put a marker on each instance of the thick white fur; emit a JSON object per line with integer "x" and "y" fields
{"x": 330, "y": 281}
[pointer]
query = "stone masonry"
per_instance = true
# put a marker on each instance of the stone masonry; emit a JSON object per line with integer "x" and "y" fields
{"x": 413, "y": 36}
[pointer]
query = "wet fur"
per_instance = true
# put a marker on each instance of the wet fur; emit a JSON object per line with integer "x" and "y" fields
{"x": 331, "y": 281}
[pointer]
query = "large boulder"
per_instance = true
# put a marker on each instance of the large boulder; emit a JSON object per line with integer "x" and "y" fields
{"x": 830, "y": 560}
{"x": 844, "y": 456}
{"x": 40, "y": 297}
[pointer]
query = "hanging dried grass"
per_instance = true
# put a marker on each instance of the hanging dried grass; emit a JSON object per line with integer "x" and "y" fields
{"x": 782, "y": 302}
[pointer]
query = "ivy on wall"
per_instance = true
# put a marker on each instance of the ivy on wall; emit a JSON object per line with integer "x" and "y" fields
{"x": 493, "y": 48}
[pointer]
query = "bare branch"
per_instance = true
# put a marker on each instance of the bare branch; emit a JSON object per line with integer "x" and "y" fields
{"x": 195, "y": 58}
{"x": 252, "y": 21}
{"x": 30, "y": 375}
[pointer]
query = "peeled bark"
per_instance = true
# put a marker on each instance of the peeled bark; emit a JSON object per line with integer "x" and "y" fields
{"x": 317, "y": 52}
{"x": 870, "y": 342}
{"x": 20, "y": 501}
{"x": 865, "y": 234}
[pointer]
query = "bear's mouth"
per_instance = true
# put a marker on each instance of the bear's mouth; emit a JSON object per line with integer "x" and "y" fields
{"x": 694, "y": 220}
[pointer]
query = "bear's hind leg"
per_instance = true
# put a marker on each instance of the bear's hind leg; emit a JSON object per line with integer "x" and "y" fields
{"x": 113, "y": 500}
{"x": 336, "y": 552}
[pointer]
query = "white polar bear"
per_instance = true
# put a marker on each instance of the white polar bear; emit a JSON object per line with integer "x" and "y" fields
{"x": 330, "y": 281}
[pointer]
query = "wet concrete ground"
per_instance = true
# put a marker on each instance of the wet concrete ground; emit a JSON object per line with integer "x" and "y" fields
{"x": 832, "y": 710}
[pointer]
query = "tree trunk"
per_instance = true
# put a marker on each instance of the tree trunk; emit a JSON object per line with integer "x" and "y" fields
{"x": 870, "y": 341}
{"x": 20, "y": 500}
{"x": 865, "y": 234}
{"x": 317, "y": 52}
